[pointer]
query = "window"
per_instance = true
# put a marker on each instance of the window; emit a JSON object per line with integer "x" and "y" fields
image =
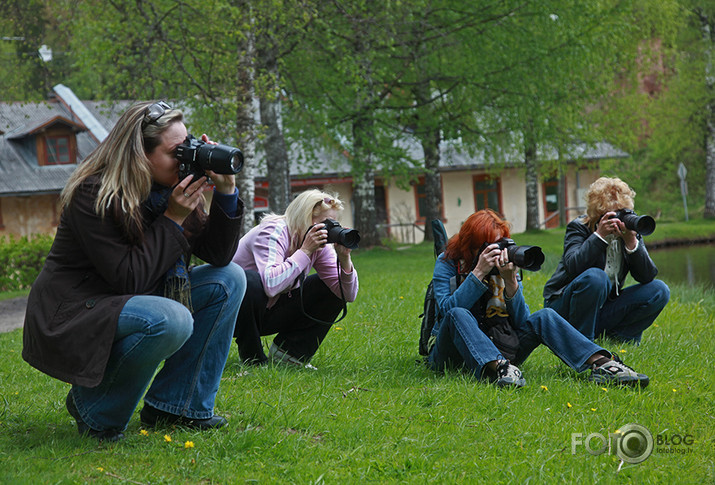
{"x": 421, "y": 200}
{"x": 58, "y": 150}
{"x": 487, "y": 193}
{"x": 550, "y": 189}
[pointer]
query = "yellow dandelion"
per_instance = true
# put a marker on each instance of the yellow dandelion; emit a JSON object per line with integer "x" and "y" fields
{"x": 189, "y": 444}
{"x": 568, "y": 404}
{"x": 623, "y": 351}
{"x": 402, "y": 298}
{"x": 675, "y": 390}
{"x": 167, "y": 438}
{"x": 338, "y": 328}
{"x": 593, "y": 409}
{"x": 545, "y": 388}
{"x": 604, "y": 389}
{"x": 144, "y": 432}
{"x": 100, "y": 469}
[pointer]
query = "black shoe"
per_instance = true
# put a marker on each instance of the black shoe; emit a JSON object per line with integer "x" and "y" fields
{"x": 110, "y": 435}
{"x": 152, "y": 417}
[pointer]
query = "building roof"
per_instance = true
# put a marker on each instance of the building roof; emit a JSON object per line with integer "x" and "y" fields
{"x": 19, "y": 171}
{"x": 92, "y": 120}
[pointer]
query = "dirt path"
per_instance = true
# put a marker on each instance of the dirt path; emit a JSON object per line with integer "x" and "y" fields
{"x": 12, "y": 313}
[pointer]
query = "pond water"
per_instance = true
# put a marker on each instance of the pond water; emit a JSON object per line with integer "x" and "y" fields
{"x": 691, "y": 265}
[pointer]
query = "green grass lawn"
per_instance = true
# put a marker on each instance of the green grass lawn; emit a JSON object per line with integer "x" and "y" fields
{"x": 371, "y": 414}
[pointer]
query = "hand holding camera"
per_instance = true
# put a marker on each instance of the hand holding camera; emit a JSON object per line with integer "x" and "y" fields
{"x": 315, "y": 238}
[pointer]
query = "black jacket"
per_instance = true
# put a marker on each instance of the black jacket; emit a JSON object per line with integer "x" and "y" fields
{"x": 583, "y": 249}
{"x": 91, "y": 272}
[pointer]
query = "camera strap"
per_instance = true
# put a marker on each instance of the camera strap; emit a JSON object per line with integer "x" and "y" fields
{"x": 301, "y": 278}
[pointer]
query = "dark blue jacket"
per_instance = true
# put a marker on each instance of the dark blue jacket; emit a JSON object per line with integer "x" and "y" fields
{"x": 583, "y": 249}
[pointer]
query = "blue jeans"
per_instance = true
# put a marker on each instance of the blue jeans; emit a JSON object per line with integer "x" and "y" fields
{"x": 461, "y": 343}
{"x": 585, "y": 303}
{"x": 194, "y": 348}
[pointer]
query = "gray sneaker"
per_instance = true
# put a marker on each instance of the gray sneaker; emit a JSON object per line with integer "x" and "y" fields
{"x": 509, "y": 375}
{"x": 616, "y": 372}
{"x": 279, "y": 356}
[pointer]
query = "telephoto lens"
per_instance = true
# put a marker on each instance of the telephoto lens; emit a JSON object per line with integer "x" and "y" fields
{"x": 337, "y": 234}
{"x": 643, "y": 225}
{"x": 196, "y": 156}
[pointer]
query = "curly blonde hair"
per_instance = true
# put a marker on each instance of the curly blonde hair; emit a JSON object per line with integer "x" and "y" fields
{"x": 605, "y": 195}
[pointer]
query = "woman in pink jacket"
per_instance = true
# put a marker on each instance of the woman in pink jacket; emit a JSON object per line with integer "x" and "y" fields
{"x": 281, "y": 297}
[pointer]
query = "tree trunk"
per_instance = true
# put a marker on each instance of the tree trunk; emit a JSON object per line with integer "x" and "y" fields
{"x": 274, "y": 145}
{"x": 433, "y": 181}
{"x": 365, "y": 216}
{"x": 708, "y": 33}
{"x": 532, "y": 183}
{"x": 561, "y": 197}
{"x": 245, "y": 128}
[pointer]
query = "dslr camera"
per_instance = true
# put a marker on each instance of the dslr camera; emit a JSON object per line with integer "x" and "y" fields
{"x": 527, "y": 257}
{"x": 196, "y": 156}
{"x": 643, "y": 225}
{"x": 337, "y": 234}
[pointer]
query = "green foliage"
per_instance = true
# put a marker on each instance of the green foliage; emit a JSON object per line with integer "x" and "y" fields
{"x": 21, "y": 260}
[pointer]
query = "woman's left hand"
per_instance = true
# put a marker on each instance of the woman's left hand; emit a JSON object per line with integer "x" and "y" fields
{"x": 224, "y": 183}
{"x": 507, "y": 270}
{"x": 344, "y": 257}
{"x": 629, "y": 237}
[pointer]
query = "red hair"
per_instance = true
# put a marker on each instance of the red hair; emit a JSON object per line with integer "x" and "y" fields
{"x": 482, "y": 226}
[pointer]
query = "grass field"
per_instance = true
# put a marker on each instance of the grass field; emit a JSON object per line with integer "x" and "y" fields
{"x": 371, "y": 414}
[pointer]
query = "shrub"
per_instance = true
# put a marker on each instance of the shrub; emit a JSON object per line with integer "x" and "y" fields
{"x": 21, "y": 260}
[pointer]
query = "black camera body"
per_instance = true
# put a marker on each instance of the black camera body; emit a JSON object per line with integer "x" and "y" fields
{"x": 195, "y": 156}
{"x": 643, "y": 225}
{"x": 527, "y": 257}
{"x": 339, "y": 235}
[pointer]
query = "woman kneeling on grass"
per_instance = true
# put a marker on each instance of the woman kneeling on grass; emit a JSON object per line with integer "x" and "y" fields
{"x": 490, "y": 297}
{"x": 281, "y": 296}
{"x": 115, "y": 298}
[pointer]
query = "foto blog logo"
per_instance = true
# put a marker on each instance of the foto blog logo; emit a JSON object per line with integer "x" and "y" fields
{"x": 632, "y": 443}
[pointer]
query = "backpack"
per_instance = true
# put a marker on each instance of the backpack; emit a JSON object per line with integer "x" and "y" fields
{"x": 429, "y": 313}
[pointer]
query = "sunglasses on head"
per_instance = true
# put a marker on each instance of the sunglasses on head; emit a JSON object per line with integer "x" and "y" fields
{"x": 153, "y": 112}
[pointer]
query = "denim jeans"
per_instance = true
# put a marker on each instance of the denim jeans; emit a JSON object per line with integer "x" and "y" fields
{"x": 194, "y": 348}
{"x": 585, "y": 303}
{"x": 461, "y": 343}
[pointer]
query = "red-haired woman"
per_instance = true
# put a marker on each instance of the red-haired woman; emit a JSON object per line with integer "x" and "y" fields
{"x": 481, "y": 309}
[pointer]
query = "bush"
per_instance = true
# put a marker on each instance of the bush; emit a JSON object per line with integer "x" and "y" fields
{"x": 21, "y": 260}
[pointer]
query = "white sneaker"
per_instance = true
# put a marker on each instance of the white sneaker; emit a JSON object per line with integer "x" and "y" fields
{"x": 275, "y": 354}
{"x": 509, "y": 375}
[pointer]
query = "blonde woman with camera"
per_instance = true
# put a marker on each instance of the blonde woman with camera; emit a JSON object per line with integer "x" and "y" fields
{"x": 600, "y": 250}
{"x": 281, "y": 297}
{"x": 116, "y": 297}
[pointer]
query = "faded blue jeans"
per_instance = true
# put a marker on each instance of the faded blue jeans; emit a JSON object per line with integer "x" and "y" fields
{"x": 586, "y": 304}
{"x": 462, "y": 344}
{"x": 194, "y": 348}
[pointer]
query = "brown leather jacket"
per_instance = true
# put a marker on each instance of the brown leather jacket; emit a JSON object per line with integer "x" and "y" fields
{"x": 91, "y": 272}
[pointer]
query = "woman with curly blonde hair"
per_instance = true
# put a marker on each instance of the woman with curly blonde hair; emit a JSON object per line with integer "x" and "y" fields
{"x": 587, "y": 288}
{"x": 282, "y": 297}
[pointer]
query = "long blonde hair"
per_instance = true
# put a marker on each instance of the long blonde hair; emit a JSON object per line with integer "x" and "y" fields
{"x": 300, "y": 212}
{"x": 606, "y": 195}
{"x": 121, "y": 163}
